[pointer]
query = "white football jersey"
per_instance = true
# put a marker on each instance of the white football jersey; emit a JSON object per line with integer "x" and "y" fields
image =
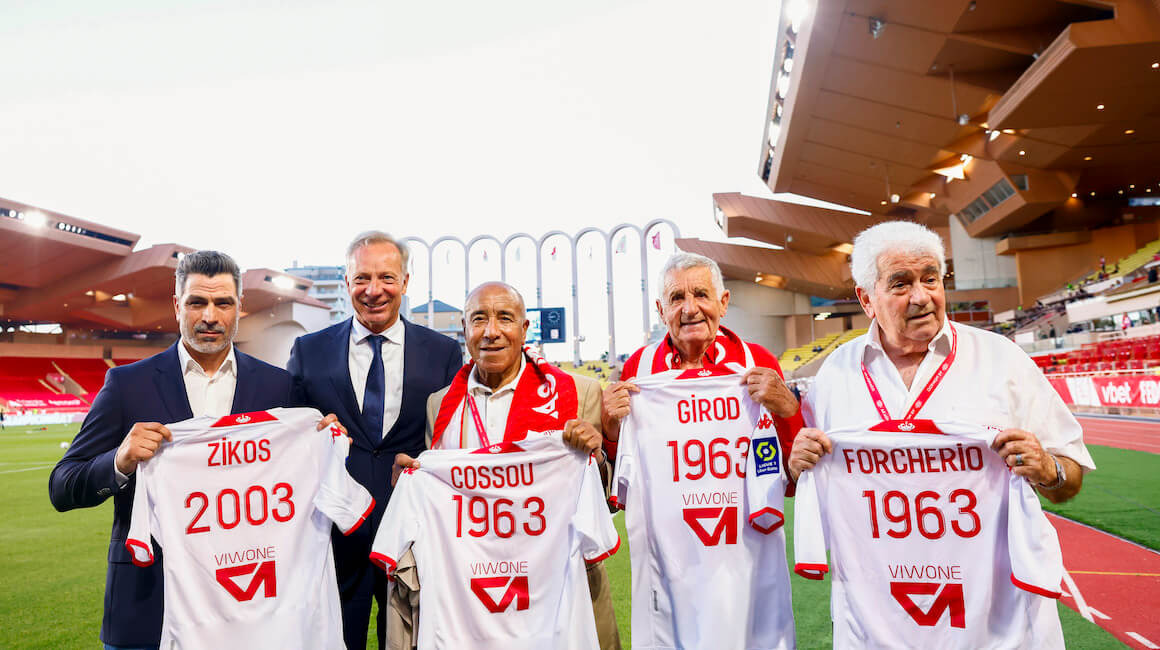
{"x": 242, "y": 508}
{"x": 933, "y": 542}
{"x": 500, "y": 536}
{"x": 699, "y": 474}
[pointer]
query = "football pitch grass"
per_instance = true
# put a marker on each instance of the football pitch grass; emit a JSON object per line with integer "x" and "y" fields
{"x": 52, "y": 565}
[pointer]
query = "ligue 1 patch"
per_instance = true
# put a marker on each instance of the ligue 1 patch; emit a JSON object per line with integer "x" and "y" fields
{"x": 765, "y": 454}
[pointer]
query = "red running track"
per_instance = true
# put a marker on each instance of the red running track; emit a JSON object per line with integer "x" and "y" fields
{"x": 1119, "y": 580}
{"x": 1138, "y": 435}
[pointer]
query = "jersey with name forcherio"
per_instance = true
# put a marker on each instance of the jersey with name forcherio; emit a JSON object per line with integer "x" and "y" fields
{"x": 242, "y": 508}
{"x": 700, "y": 476}
{"x": 933, "y": 542}
{"x": 500, "y": 536}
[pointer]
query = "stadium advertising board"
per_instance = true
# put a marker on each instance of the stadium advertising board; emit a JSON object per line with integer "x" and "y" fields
{"x": 1125, "y": 391}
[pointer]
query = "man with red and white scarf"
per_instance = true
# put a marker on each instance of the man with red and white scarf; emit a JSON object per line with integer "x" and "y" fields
{"x": 693, "y": 300}
{"x": 507, "y": 390}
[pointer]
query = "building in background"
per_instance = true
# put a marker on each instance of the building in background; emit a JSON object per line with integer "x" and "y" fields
{"x": 329, "y": 288}
{"x": 448, "y": 320}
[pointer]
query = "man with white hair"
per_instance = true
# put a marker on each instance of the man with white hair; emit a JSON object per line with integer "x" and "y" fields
{"x": 913, "y": 367}
{"x": 692, "y": 301}
{"x": 898, "y": 268}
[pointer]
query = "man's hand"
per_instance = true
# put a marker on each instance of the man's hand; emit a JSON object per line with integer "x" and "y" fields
{"x": 402, "y": 462}
{"x": 140, "y": 444}
{"x": 580, "y": 434}
{"x": 615, "y": 406}
{"x": 809, "y": 445}
{"x": 768, "y": 389}
{"x": 332, "y": 419}
{"x": 1025, "y": 456}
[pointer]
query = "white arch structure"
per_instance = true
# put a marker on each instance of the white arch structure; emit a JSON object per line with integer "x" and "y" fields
{"x": 573, "y": 241}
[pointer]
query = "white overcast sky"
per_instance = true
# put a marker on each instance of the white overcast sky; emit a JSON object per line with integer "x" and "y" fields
{"x": 277, "y": 130}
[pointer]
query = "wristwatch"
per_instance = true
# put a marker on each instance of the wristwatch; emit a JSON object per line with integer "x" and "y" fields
{"x": 1060, "y": 476}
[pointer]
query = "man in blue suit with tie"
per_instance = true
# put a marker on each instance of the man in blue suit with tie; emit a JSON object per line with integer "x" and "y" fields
{"x": 201, "y": 374}
{"x": 374, "y": 372}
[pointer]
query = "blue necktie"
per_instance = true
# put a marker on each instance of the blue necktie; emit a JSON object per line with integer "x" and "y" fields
{"x": 375, "y": 395}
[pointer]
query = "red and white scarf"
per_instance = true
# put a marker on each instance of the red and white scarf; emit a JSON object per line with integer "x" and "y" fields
{"x": 727, "y": 349}
{"x": 545, "y": 398}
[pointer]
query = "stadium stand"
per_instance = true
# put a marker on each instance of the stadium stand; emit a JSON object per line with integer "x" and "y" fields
{"x": 598, "y": 370}
{"x": 816, "y": 350}
{"x": 1141, "y": 354}
{"x": 35, "y": 383}
{"x": 1128, "y": 264}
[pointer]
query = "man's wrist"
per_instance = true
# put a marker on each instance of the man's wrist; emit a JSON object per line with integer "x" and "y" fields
{"x": 1060, "y": 476}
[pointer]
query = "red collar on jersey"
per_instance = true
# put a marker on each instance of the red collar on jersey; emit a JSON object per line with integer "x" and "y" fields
{"x": 545, "y": 398}
{"x": 244, "y": 418}
{"x": 728, "y": 348}
{"x": 907, "y": 426}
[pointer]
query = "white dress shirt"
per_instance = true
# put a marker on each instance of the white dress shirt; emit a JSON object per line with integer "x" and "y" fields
{"x": 992, "y": 382}
{"x": 493, "y": 405}
{"x": 207, "y": 395}
{"x": 359, "y": 360}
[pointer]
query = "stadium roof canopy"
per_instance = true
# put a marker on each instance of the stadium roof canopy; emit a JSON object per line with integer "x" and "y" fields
{"x": 1017, "y": 118}
{"x": 59, "y": 269}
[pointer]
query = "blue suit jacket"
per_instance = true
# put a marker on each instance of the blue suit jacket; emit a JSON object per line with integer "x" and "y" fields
{"x": 319, "y": 364}
{"x": 151, "y": 390}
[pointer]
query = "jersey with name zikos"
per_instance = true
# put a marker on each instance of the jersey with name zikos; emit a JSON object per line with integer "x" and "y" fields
{"x": 500, "y": 537}
{"x": 699, "y": 474}
{"x": 242, "y": 508}
{"x": 933, "y": 542}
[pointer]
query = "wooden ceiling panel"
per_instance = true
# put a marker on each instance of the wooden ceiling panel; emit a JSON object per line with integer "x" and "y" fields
{"x": 890, "y": 121}
{"x": 856, "y": 163}
{"x": 898, "y": 46}
{"x": 892, "y": 151}
{"x": 899, "y": 88}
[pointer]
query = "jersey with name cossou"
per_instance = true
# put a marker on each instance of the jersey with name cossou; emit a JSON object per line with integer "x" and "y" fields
{"x": 933, "y": 542}
{"x": 699, "y": 473}
{"x": 500, "y": 537}
{"x": 242, "y": 508}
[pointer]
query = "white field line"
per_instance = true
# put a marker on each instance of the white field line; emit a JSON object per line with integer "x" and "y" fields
{"x": 1143, "y": 641}
{"x": 26, "y": 469}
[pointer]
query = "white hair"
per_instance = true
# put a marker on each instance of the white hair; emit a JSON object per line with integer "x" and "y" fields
{"x": 376, "y": 237}
{"x": 892, "y": 236}
{"x": 681, "y": 261}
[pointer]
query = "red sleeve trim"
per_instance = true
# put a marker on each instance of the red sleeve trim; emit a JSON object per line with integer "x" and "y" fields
{"x": 811, "y": 571}
{"x": 615, "y": 502}
{"x": 1033, "y": 589}
{"x": 346, "y": 533}
{"x": 761, "y": 513}
{"x": 606, "y": 554}
{"x": 384, "y": 562}
{"x": 130, "y": 544}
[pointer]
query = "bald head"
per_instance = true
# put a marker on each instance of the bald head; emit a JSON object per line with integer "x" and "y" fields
{"x": 487, "y": 290}
{"x": 495, "y": 324}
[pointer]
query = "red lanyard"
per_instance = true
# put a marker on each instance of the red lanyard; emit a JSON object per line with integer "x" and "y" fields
{"x": 924, "y": 395}
{"x": 479, "y": 428}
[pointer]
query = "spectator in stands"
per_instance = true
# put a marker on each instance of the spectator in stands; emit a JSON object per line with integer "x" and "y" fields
{"x": 965, "y": 374}
{"x": 2, "y": 419}
{"x": 203, "y": 374}
{"x": 692, "y": 302}
{"x": 502, "y": 380}
{"x": 375, "y": 371}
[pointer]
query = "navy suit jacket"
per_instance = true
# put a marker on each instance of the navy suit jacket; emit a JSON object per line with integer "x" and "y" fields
{"x": 150, "y": 390}
{"x": 320, "y": 366}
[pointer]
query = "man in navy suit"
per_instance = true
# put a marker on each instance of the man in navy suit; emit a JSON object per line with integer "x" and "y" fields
{"x": 374, "y": 372}
{"x": 201, "y": 374}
